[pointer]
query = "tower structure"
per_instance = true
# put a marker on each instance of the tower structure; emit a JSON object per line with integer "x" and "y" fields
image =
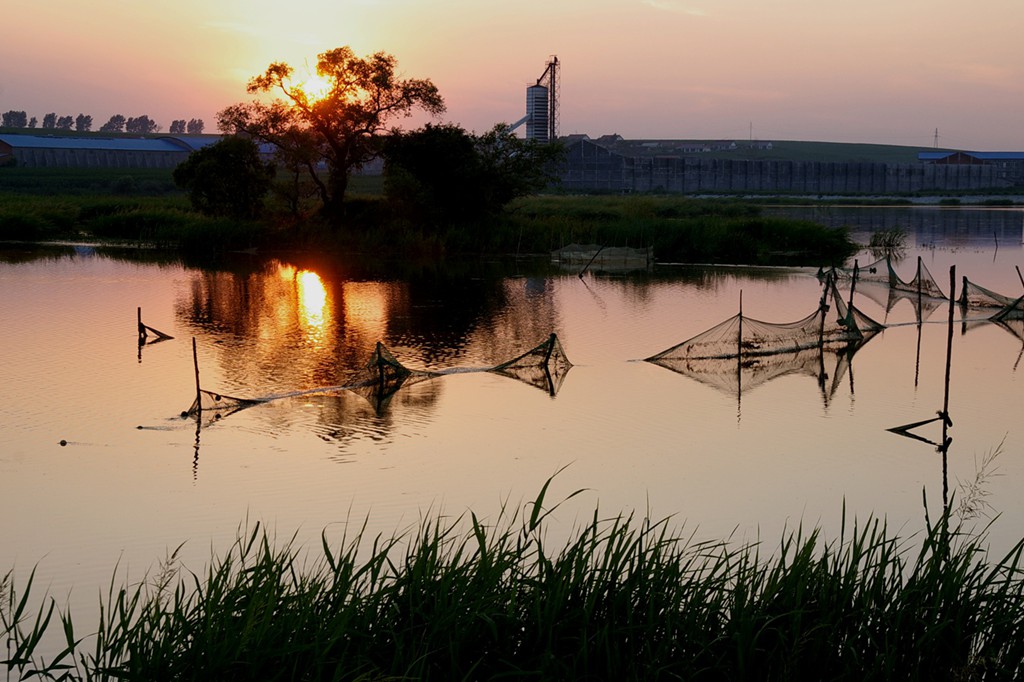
{"x": 542, "y": 105}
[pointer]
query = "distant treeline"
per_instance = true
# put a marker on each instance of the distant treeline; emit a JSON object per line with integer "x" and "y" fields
{"x": 117, "y": 123}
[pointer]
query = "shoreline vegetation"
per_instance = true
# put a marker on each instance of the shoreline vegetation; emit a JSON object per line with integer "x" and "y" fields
{"x": 144, "y": 207}
{"x": 623, "y": 598}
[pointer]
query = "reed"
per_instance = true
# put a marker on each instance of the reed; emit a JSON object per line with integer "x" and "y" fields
{"x": 624, "y": 598}
{"x": 888, "y": 242}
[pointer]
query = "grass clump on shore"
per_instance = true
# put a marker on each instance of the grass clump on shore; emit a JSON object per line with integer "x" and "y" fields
{"x": 624, "y": 598}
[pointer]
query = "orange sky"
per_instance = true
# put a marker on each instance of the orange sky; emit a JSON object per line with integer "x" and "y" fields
{"x": 886, "y": 71}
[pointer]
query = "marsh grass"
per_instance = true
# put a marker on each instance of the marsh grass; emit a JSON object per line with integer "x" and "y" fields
{"x": 623, "y": 598}
{"x": 680, "y": 229}
{"x": 165, "y": 222}
{"x": 888, "y": 242}
{"x": 144, "y": 206}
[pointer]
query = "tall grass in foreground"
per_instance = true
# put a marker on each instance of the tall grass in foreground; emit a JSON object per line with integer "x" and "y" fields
{"x": 624, "y": 598}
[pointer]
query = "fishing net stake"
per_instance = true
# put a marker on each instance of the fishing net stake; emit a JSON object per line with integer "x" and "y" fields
{"x": 739, "y": 334}
{"x": 199, "y": 392}
{"x": 946, "y": 422}
{"x": 144, "y": 331}
{"x": 592, "y": 259}
{"x": 943, "y": 414}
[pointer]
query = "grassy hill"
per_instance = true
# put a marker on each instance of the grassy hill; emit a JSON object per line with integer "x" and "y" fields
{"x": 790, "y": 150}
{"x": 782, "y": 150}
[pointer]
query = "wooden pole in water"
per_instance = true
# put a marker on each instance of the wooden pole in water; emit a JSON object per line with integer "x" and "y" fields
{"x": 592, "y": 259}
{"x": 739, "y": 335}
{"x": 1019, "y": 276}
{"x": 853, "y": 283}
{"x": 142, "y": 327}
{"x": 199, "y": 393}
{"x": 946, "y": 423}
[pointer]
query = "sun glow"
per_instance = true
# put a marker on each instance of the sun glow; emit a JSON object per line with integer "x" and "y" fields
{"x": 315, "y": 88}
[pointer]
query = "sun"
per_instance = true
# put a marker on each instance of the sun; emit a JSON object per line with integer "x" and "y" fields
{"x": 315, "y": 88}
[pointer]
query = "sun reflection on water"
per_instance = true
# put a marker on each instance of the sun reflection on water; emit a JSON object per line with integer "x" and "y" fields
{"x": 314, "y": 312}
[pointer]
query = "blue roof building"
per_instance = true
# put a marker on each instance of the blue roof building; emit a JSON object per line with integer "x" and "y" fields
{"x": 95, "y": 151}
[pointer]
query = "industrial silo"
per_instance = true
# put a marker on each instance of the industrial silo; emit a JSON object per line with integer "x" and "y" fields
{"x": 537, "y": 113}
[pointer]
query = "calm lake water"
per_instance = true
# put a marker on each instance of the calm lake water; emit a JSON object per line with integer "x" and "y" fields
{"x": 135, "y": 479}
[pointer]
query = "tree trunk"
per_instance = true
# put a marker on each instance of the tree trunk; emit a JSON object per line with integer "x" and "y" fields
{"x": 337, "y": 183}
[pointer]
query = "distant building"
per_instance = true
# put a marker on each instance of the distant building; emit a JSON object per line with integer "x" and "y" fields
{"x": 61, "y": 151}
{"x": 613, "y": 164}
{"x": 1010, "y": 165}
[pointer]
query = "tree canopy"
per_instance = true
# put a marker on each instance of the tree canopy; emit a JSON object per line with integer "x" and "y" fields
{"x": 442, "y": 175}
{"x": 141, "y": 124}
{"x": 114, "y": 125}
{"x": 15, "y": 119}
{"x": 336, "y": 121}
{"x": 227, "y": 178}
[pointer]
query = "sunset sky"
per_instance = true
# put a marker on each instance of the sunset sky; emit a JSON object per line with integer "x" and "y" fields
{"x": 884, "y": 71}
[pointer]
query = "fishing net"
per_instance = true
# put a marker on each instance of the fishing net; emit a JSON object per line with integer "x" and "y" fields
{"x": 879, "y": 282}
{"x": 737, "y": 375}
{"x": 742, "y": 336}
{"x": 544, "y": 366}
{"x": 976, "y": 296}
{"x": 1012, "y": 312}
{"x": 1011, "y": 323}
{"x": 877, "y": 271}
{"x": 217, "y": 405}
{"x": 922, "y": 283}
{"x": 597, "y": 257}
{"x": 382, "y": 376}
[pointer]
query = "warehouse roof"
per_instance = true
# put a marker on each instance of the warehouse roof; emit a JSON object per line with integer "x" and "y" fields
{"x": 980, "y": 156}
{"x": 185, "y": 143}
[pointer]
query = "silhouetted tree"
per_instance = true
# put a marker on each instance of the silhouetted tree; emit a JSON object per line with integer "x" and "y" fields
{"x": 65, "y": 122}
{"x": 50, "y": 120}
{"x": 227, "y": 178}
{"x": 362, "y": 96}
{"x": 440, "y": 174}
{"x": 32, "y": 122}
{"x": 15, "y": 119}
{"x": 429, "y": 175}
{"x": 83, "y": 123}
{"x": 114, "y": 125}
{"x": 141, "y": 124}
{"x": 195, "y": 126}
{"x": 177, "y": 126}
